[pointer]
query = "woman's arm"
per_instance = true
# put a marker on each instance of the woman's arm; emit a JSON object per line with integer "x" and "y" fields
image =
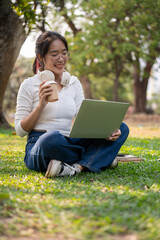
{"x": 24, "y": 104}
{"x": 30, "y": 121}
{"x": 79, "y": 95}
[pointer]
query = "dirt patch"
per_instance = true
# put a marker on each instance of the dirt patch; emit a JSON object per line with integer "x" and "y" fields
{"x": 143, "y": 125}
{"x": 61, "y": 237}
{"x": 126, "y": 237}
{"x": 147, "y": 120}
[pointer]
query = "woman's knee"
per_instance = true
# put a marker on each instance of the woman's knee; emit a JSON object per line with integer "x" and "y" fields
{"x": 49, "y": 140}
{"x": 124, "y": 129}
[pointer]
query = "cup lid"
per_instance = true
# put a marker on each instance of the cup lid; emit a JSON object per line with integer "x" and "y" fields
{"x": 50, "y": 82}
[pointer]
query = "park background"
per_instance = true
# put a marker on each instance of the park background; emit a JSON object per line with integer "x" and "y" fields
{"x": 115, "y": 48}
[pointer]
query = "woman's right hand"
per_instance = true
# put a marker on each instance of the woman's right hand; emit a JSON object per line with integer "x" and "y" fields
{"x": 45, "y": 90}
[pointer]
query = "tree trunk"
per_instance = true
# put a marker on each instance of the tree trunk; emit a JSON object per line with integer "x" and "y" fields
{"x": 118, "y": 69}
{"x": 12, "y": 36}
{"x": 115, "y": 88}
{"x": 86, "y": 87}
{"x": 140, "y": 87}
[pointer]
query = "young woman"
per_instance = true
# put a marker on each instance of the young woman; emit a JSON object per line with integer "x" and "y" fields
{"x": 48, "y": 124}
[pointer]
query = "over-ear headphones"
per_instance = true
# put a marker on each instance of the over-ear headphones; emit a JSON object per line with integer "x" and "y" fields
{"x": 47, "y": 75}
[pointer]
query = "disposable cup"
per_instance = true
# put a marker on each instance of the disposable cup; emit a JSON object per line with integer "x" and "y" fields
{"x": 54, "y": 96}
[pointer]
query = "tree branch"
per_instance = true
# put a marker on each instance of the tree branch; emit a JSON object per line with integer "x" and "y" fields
{"x": 61, "y": 5}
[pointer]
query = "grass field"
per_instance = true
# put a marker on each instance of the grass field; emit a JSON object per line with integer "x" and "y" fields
{"x": 120, "y": 204}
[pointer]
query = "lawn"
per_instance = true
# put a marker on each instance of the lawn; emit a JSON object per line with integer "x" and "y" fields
{"x": 120, "y": 204}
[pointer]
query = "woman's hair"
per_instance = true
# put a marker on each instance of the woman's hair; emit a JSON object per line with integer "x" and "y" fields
{"x": 42, "y": 45}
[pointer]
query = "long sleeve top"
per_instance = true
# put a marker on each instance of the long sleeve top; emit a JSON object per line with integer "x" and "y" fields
{"x": 56, "y": 116}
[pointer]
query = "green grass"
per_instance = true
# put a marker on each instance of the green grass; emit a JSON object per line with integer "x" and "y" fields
{"x": 111, "y": 205}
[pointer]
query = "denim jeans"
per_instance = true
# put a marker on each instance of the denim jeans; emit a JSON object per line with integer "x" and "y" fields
{"x": 94, "y": 154}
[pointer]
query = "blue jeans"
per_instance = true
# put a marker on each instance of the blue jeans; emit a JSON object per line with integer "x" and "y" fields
{"x": 94, "y": 154}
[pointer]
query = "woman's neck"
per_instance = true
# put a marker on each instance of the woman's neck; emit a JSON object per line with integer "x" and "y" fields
{"x": 58, "y": 78}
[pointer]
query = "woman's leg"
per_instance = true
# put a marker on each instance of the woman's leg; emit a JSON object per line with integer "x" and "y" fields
{"x": 100, "y": 153}
{"x": 96, "y": 154}
{"x": 93, "y": 154}
{"x": 50, "y": 145}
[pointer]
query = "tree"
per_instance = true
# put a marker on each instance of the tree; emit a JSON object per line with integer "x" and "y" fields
{"x": 12, "y": 36}
{"x": 143, "y": 32}
{"x": 22, "y": 70}
{"x": 133, "y": 32}
{"x": 16, "y": 21}
{"x": 95, "y": 48}
{"x": 121, "y": 35}
{"x": 109, "y": 40}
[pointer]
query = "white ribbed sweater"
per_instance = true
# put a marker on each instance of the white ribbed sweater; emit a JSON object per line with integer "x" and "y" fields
{"x": 56, "y": 116}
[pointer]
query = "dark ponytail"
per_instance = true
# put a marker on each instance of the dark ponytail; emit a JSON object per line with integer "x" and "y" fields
{"x": 34, "y": 66}
{"x": 37, "y": 65}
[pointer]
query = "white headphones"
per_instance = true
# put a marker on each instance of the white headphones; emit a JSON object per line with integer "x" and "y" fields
{"x": 47, "y": 75}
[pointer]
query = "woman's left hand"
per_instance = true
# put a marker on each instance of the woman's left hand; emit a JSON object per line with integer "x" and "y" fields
{"x": 115, "y": 135}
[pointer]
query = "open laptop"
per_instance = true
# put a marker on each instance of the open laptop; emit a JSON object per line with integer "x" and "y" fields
{"x": 98, "y": 119}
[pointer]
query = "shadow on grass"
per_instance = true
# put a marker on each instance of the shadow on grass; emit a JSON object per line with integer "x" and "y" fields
{"x": 88, "y": 202}
{"x": 116, "y": 201}
{"x": 7, "y": 131}
{"x": 134, "y": 175}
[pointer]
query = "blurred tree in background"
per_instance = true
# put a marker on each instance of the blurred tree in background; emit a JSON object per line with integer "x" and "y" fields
{"x": 17, "y": 18}
{"x": 113, "y": 44}
{"x": 21, "y": 71}
{"x": 119, "y": 40}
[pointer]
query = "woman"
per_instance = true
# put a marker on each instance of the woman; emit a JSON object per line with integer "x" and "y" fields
{"x": 49, "y": 149}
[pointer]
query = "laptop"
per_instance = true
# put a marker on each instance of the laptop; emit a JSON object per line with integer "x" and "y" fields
{"x": 98, "y": 119}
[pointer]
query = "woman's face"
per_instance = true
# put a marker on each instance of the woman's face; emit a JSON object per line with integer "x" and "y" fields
{"x": 56, "y": 58}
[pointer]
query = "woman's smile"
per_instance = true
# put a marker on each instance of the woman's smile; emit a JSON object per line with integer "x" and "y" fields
{"x": 59, "y": 66}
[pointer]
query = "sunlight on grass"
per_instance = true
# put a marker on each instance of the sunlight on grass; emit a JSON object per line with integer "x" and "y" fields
{"x": 144, "y": 132}
{"x": 116, "y": 203}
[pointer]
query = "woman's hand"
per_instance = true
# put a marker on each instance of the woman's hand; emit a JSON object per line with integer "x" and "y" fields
{"x": 45, "y": 90}
{"x": 115, "y": 135}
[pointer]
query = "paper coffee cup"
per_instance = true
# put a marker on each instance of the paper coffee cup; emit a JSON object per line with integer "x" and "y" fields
{"x": 54, "y": 96}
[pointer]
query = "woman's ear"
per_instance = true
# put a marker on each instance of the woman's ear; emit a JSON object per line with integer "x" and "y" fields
{"x": 40, "y": 58}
